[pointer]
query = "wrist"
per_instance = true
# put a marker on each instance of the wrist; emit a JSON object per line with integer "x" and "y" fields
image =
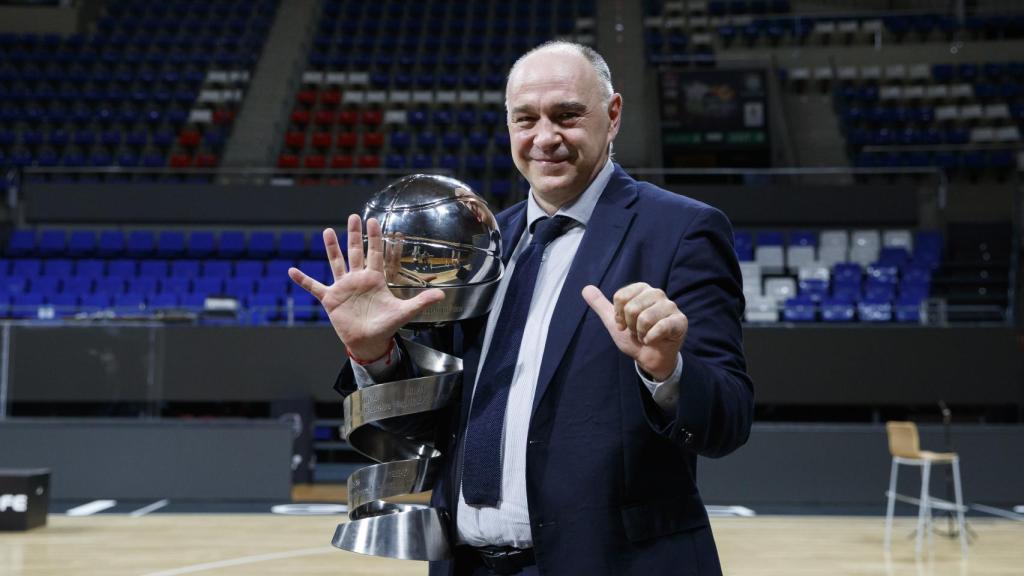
{"x": 365, "y": 356}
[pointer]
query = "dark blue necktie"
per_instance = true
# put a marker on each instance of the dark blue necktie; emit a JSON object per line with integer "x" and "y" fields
{"x": 481, "y": 473}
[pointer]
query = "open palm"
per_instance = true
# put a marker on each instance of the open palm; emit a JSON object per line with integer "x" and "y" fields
{"x": 361, "y": 308}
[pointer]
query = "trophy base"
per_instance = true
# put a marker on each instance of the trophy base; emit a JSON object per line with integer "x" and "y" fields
{"x": 415, "y": 533}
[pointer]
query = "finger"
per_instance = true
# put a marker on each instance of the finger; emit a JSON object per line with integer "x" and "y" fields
{"x": 640, "y": 302}
{"x": 670, "y": 329}
{"x": 621, "y": 297}
{"x": 602, "y": 307}
{"x": 652, "y": 315}
{"x": 413, "y": 306}
{"x": 355, "y": 243}
{"x": 308, "y": 284}
{"x": 334, "y": 256}
{"x": 375, "y": 246}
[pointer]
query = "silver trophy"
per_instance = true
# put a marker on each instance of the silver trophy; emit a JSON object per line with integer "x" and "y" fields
{"x": 437, "y": 234}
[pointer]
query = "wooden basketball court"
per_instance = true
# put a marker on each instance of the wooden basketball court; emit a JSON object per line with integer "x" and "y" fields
{"x": 258, "y": 544}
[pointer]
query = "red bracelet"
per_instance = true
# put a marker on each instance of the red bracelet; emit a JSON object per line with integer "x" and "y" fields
{"x": 386, "y": 354}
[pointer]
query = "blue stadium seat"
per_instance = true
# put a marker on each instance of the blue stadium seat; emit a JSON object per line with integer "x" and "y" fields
{"x": 111, "y": 243}
{"x": 21, "y": 243}
{"x": 200, "y": 244}
{"x": 90, "y": 268}
{"x": 141, "y": 243}
{"x": 175, "y": 285}
{"x": 188, "y": 268}
{"x": 14, "y": 285}
{"x": 216, "y": 269}
{"x": 144, "y": 285}
{"x": 170, "y": 244}
{"x": 837, "y": 310}
{"x": 81, "y": 243}
{"x": 164, "y": 301}
{"x": 875, "y": 310}
{"x": 799, "y": 309}
{"x": 262, "y": 244}
{"x": 249, "y": 268}
{"x": 45, "y": 285}
{"x": 278, "y": 286}
{"x": 277, "y": 269}
{"x": 153, "y": 268}
{"x": 26, "y": 305}
{"x": 26, "y": 267}
{"x": 52, "y": 242}
{"x": 292, "y": 245}
{"x": 109, "y": 286}
{"x": 122, "y": 268}
{"x": 240, "y": 287}
{"x": 231, "y": 244}
{"x": 96, "y": 302}
{"x": 59, "y": 267}
{"x": 208, "y": 285}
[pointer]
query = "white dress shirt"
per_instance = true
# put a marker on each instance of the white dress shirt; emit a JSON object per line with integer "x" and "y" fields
{"x": 508, "y": 524}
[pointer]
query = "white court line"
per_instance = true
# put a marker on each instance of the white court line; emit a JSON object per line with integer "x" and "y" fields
{"x": 91, "y": 508}
{"x": 147, "y": 509}
{"x": 244, "y": 560}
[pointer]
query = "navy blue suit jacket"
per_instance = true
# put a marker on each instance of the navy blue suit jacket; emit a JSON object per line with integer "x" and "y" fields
{"x": 611, "y": 479}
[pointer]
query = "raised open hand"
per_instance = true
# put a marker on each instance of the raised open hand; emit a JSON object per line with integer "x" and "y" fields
{"x": 364, "y": 313}
{"x": 645, "y": 324}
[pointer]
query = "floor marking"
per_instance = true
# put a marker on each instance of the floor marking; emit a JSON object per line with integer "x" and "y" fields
{"x": 244, "y": 560}
{"x": 91, "y": 508}
{"x": 728, "y": 511}
{"x": 309, "y": 509}
{"x": 147, "y": 509}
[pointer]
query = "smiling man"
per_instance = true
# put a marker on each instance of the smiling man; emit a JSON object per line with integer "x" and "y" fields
{"x": 575, "y": 448}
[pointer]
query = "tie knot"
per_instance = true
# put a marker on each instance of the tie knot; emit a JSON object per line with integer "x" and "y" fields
{"x": 547, "y": 229}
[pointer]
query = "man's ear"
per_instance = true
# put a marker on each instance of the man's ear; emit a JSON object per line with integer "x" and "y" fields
{"x": 614, "y": 115}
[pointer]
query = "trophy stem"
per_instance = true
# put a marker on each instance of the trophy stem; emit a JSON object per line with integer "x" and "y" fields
{"x": 406, "y": 466}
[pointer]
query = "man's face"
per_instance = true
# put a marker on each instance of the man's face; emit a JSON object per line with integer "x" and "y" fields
{"x": 559, "y": 124}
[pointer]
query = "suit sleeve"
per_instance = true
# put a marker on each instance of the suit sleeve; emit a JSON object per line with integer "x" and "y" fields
{"x": 714, "y": 409}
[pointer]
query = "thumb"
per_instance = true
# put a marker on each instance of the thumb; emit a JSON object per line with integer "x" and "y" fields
{"x": 601, "y": 306}
{"x": 422, "y": 300}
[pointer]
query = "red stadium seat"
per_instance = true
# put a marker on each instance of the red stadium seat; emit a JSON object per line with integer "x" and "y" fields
{"x": 373, "y": 139}
{"x": 189, "y": 138}
{"x": 369, "y": 161}
{"x": 288, "y": 161}
{"x": 330, "y": 98}
{"x": 207, "y": 160}
{"x": 180, "y": 161}
{"x": 300, "y": 117}
{"x": 324, "y": 118}
{"x": 306, "y": 97}
{"x": 322, "y": 140}
{"x": 347, "y": 140}
{"x": 341, "y": 161}
{"x": 373, "y": 117}
{"x": 315, "y": 161}
{"x": 348, "y": 117}
{"x": 223, "y": 116}
{"x": 296, "y": 140}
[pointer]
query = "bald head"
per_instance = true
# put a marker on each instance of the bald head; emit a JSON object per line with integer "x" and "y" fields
{"x": 601, "y": 71}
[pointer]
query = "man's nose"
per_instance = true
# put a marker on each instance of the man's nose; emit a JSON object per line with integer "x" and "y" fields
{"x": 548, "y": 134}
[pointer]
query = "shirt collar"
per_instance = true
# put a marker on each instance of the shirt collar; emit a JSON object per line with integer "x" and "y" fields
{"x": 581, "y": 208}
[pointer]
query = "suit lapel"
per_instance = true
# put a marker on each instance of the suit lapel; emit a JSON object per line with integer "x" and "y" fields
{"x": 605, "y": 231}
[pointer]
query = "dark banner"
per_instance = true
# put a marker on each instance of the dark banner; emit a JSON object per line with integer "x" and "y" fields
{"x": 721, "y": 109}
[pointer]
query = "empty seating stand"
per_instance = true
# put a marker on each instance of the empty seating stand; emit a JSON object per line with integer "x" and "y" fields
{"x": 55, "y": 273}
{"x": 416, "y": 86}
{"x": 964, "y": 118}
{"x": 151, "y": 85}
{"x": 875, "y": 276}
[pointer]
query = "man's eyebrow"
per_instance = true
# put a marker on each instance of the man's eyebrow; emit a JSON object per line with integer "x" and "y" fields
{"x": 570, "y": 106}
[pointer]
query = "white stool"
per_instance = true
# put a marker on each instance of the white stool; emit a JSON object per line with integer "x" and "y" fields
{"x": 905, "y": 447}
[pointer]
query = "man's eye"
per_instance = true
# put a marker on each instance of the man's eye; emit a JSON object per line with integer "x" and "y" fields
{"x": 567, "y": 116}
